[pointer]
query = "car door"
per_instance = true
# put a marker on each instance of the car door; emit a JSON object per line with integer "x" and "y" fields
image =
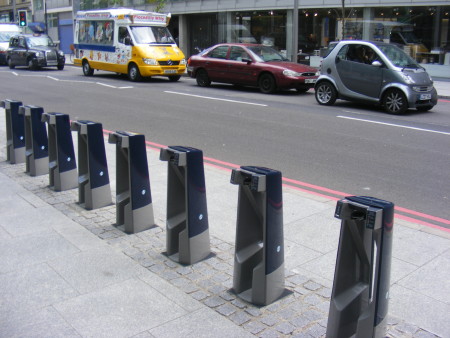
{"x": 239, "y": 70}
{"x": 356, "y": 71}
{"x": 215, "y": 63}
{"x": 21, "y": 52}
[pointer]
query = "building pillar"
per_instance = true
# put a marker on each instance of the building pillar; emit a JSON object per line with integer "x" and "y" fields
{"x": 289, "y": 34}
{"x": 368, "y": 28}
{"x": 183, "y": 32}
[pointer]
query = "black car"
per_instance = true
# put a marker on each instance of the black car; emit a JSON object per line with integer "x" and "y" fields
{"x": 34, "y": 51}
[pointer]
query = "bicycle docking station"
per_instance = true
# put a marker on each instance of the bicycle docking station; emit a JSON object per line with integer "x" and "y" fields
{"x": 36, "y": 141}
{"x": 133, "y": 196}
{"x": 359, "y": 299}
{"x": 61, "y": 155}
{"x": 15, "y": 133}
{"x": 258, "y": 276}
{"x": 94, "y": 190}
{"x": 187, "y": 215}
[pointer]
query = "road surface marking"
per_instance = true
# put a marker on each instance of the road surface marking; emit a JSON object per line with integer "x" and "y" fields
{"x": 393, "y": 125}
{"x": 216, "y": 98}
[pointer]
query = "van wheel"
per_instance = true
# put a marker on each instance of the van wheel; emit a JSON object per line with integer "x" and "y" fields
{"x": 203, "y": 78}
{"x": 174, "y": 78}
{"x": 10, "y": 64}
{"x": 87, "y": 70}
{"x": 326, "y": 93}
{"x": 394, "y": 102}
{"x": 267, "y": 84}
{"x": 133, "y": 73}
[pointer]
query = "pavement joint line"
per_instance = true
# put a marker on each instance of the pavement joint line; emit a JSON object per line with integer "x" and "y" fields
{"x": 308, "y": 302}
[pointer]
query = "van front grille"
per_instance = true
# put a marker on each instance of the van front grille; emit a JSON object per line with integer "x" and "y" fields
{"x": 169, "y": 63}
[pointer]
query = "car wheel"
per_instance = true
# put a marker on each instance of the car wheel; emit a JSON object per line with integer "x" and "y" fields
{"x": 202, "y": 78}
{"x": 87, "y": 70}
{"x": 10, "y": 64}
{"x": 133, "y": 73}
{"x": 326, "y": 93}
{"x": 174, "y": 78}
{"x": 60, "y": 67}
{"x": 424, "y": 108}
{"x": 267, "y": 83}
{"x": 394, "y": 101}
{"x": 31, "y": 65}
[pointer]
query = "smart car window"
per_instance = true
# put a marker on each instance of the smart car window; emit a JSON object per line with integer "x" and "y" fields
{"x": 398, "y": 57}
{"x": 219, "y": 52}
{"x": 342, "y": 54}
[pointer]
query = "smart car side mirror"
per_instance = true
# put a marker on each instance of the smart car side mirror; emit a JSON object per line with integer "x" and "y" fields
{"x": 377, "y": 63}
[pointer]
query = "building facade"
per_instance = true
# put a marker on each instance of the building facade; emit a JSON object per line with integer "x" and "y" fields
{"x": 199, "y": 24}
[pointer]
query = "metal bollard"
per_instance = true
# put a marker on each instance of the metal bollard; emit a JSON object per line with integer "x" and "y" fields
{"x": 133, "y": 195}
{"x": 259, "y": 250}
{"x": 94, "y": 190}
{"x": 187, "y": 213}
{"x": 15, "y": 134}
{"x": 36, "y": 141}
{"x": 61, "y": 155}
{"x": 359, "y": 299}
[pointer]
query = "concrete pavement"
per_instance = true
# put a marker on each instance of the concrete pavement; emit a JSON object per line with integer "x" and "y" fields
{"x": 66, "y": 271}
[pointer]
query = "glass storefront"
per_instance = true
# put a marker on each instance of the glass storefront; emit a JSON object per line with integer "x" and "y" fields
{"x": 422, "y": 29}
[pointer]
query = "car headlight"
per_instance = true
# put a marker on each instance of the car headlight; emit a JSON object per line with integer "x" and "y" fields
{"x": 183, "y": 62}
{"x": 288, "y": 72}
{"x": 40, "y": 54}
{"x": 61, "y": 53}
{"x": 151, "y": 62}
{"x": 408, "y": 79}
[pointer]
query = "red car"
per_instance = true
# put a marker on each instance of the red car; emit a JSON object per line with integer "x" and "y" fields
{"x": 250, "y": 65}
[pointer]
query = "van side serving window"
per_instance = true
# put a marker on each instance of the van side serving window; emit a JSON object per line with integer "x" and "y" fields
{"x": 96, "y": 32}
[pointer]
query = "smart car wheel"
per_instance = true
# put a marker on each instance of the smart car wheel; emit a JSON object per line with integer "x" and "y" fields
{"x": 10, "y": 64}
{"x": 133, "y": 73}
{"x": 394, "y": 101}
{"x": 326, "y": 94}
{"x": 203, "y": 78}
{"x": 87, "y": 70}
{"x": 267, "y": 83}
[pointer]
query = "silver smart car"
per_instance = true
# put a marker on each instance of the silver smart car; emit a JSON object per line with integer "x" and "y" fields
{"x": 374, "y": 72}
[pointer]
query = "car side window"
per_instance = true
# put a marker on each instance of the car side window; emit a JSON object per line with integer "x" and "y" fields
{"x": 22, "y": 43}
{"x": 14, "y": 42}
{"x": 342, "y": 54}
{"x": 238, "y": 53}
{"x": 219, "y": 52}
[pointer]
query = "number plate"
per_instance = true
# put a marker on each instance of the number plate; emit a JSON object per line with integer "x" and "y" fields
{"x": 424, "y": 97}
{"x": 170, "y": 71}
{"x": 310, "y": 81}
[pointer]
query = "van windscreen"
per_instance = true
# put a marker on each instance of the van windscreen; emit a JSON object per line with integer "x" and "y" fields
{"x": 151, "y": 35}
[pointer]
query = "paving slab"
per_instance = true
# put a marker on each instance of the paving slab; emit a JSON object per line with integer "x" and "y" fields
{"x": 120, "y": 310}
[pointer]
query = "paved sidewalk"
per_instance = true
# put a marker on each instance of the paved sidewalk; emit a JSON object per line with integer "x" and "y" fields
{"x": 67, "y": 272}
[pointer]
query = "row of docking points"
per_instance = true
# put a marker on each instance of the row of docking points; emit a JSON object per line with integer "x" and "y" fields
{"x": 359, "y": 300}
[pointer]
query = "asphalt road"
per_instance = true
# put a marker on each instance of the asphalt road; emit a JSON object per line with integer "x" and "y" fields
{"x": 349, "y": 148}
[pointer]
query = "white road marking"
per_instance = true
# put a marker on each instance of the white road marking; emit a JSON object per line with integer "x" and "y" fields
{"x": 394, "y": 125}
{"x": 216, "y": 98}
{"x": 70, "y": 81}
